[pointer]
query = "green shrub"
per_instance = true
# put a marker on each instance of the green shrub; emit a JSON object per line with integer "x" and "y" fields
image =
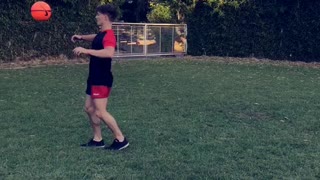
{"x": 23, "y": 37}
{"x": 266, "y": 29}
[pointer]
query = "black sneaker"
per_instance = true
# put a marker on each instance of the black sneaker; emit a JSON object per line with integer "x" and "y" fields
{"x": 94, "y": 144}
{"x": 116, "y": 145}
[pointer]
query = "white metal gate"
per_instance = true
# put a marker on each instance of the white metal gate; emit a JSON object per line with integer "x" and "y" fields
{"x": 148, "y": 39}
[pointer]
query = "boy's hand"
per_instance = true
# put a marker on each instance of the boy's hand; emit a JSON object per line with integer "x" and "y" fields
{"x": 74, "y": 38}
{"x": 80, "y": 50}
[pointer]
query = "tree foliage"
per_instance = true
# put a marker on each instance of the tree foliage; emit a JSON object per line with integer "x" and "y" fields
{"x": 179, "y": 9}
{"x": 160, "y": 13}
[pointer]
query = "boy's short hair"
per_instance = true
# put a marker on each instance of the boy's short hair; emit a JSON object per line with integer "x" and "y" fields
{"x": 108, "y": 10}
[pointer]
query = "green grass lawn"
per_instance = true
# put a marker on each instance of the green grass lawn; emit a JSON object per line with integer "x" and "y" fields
{"x": 185, "y": 119}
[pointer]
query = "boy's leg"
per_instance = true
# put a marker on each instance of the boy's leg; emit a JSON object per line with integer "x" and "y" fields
{"x": 94, "y": 120}
{"x": 101, "y": 112}
{"x": 97, "y": 141}
{"x": 120, "y": 142}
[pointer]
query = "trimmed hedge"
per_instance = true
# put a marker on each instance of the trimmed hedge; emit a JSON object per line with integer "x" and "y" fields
{"x": 287, "y": 29}
{"x": 25, "y": 38}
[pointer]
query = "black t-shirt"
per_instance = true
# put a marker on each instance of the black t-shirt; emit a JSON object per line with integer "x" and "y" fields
{"x": 100, "y": 68}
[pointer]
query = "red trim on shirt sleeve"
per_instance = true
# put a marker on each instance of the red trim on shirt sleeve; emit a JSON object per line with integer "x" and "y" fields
{"x": 109, "y": 39}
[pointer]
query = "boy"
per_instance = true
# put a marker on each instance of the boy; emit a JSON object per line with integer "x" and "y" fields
{"x": 100, "y": 78}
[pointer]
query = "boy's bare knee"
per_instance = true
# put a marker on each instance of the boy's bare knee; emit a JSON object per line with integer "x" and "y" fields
{"x": 98, "y": 114}
{"x": 89, "y": 110}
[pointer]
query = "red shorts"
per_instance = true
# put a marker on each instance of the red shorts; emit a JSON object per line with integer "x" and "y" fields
{"x": 98, "y": 91}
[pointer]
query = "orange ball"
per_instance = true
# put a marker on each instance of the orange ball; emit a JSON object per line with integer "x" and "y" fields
{"x": 41, "y": 11}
